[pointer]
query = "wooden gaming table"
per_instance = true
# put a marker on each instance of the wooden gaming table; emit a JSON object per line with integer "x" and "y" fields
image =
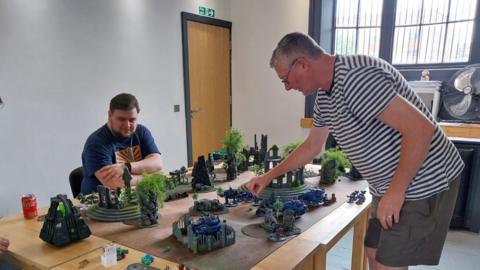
{"x": 306, "y": 251}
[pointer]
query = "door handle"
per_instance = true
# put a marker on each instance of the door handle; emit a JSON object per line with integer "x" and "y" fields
{"x": 194, "y": 110}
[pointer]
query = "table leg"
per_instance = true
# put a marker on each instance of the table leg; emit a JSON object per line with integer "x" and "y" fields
{"x": 359, "y": 261}
{"x": 320, "y": 262}
{"x": 307, "y": 264}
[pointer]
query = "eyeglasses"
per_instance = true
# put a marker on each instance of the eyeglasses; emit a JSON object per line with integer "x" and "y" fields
{"x": 285, "y": 79}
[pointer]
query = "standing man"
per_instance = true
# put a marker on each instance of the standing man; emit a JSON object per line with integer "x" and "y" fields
{"x": 118, "y": 144}
{"x": 390, "y": 137}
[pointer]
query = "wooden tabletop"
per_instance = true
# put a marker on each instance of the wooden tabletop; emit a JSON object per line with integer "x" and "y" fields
{"x": 20, "y": 222}
{"x": 307, "y": 251}
{"x": 27, "y": 247}
{"x": 30, "y": 252}
{"x": 91, "y": 261}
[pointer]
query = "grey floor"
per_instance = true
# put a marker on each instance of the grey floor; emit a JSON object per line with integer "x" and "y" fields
{"x": 461, "y": 252}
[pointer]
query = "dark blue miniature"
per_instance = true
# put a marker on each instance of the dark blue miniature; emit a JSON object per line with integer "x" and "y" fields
{"x": 206, "y": 225}
{"x": 313, "y": 198}
{"x": 357, "y": 197}
{"x": 297, "y": 206}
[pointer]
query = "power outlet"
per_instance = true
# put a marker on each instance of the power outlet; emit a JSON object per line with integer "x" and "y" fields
{"x": 176, "y": 108}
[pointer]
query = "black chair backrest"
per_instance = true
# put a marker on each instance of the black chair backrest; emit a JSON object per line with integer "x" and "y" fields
{"x": 75, "y": 178}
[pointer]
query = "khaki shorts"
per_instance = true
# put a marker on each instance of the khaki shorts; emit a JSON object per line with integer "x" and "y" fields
{"x": 419, "y": 236}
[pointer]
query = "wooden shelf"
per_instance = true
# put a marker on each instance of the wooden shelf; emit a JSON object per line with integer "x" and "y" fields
{"x": 461, "y": 130}
{"x": 306, "y": 122}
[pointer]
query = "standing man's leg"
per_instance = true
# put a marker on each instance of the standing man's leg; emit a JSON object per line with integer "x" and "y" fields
{"x": 418, "y": 238}
{"x": 371, "y": 252}
{"x": 374, "y": 265}
{"x": 372, "y": 240}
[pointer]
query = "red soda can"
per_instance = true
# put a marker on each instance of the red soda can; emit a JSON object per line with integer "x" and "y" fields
{"x": 29, "y": 204}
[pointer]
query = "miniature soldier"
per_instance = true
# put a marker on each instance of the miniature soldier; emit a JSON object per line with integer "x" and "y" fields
{"x": 175, "y": 175}
{"x": 183, "y": 175}
{"x": 352, "y": 197}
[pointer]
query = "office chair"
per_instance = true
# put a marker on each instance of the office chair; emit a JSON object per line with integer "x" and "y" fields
{"x": 75, "y": 178}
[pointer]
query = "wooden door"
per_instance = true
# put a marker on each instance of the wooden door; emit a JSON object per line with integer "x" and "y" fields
{"x": 209, "y": 86}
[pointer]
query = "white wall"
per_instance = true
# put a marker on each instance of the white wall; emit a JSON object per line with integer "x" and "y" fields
{"x": 260, "y": 103}
{"x": 60, "y": 64}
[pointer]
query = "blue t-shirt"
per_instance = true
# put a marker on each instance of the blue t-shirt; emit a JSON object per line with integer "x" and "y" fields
{"x": 102, "y": 148}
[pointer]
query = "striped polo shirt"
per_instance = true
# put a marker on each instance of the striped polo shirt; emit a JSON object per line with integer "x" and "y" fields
{"x": 362, "y": 87}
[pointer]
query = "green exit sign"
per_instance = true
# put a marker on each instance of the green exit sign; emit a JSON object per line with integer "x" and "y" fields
{"x": 209, "y": 12}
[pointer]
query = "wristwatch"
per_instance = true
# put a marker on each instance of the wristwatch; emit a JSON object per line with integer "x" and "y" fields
{"x": 129, "y": 167}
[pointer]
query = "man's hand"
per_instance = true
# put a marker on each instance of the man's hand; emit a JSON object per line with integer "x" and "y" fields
{"x": 388, "y": 211}
{"x": 4, "y": 243}
{"x": 257, "y": 184}
{"x": 111, "y": 176}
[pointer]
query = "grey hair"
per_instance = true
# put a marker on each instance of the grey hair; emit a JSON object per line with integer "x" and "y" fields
{"x": 294, "y": 45}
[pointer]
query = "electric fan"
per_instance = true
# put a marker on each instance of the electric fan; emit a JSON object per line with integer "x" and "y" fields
{"x": 461, "y": 96}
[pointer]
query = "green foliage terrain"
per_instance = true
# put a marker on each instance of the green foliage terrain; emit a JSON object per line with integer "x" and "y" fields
{"x": 341, "y": 160}
{"x": 287, "y": 149}
{"x": 152, "y": 184}
{"x": 256, "y": 169}
{"x": 233, "y": 141}
{"x": 339, "y": 156}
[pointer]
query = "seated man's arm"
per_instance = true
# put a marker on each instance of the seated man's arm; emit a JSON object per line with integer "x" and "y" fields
{"x": 97, "y": 160}
{"x": 111, "y": 176}
{"x": 150, "y": 164}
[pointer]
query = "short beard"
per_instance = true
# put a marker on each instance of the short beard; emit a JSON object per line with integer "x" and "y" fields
{"x": 118, "y": 134}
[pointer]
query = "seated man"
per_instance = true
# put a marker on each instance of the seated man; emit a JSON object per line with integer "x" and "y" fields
{"x": 118, "y": 144}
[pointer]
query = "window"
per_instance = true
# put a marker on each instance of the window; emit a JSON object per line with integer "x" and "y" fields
{"x": 433, "y": 31}
{"x": 424, "y": 31}
{"x": 439, "y": 35}
{"x": 357, "y": 27}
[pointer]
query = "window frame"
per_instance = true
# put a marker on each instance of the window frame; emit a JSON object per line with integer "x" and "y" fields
{"x": 356, "y": 27}
{"x": 321, "y": 28}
